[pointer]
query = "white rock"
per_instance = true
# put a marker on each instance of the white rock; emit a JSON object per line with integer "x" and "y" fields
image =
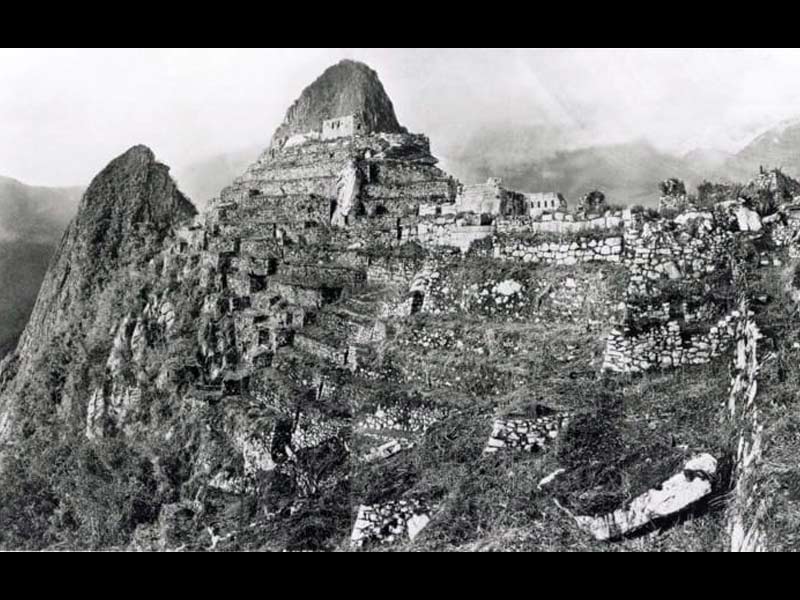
{"x": 508, "y": 287}
{"x": 675, "y": 494}
{"x": 671, "y": 270}
{"x": 416, "y": 524}
{"x": 704, "y": 463}
{"x": 549, "y": 478}
{"x": 748, "y": 219}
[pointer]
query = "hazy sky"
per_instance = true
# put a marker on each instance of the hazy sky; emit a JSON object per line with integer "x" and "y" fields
{"x": 65, "y": 113}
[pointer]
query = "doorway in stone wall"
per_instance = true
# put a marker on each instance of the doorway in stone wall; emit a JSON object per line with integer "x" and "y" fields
{"x": 417, "y": 299}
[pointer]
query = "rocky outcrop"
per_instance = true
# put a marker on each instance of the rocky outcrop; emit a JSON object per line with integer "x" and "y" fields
{"x": 676, "y": 494}
{"x": 349, "y": 187}
{"x": 748, "y": 220}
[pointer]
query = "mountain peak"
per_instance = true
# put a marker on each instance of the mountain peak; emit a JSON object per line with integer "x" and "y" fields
{"x": 346, "y": 88}
{"x": 137, "y": 188}
{"x": 138, "y": 152}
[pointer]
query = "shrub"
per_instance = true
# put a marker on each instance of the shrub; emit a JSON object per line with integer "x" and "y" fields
{"x": 63, "y": 488}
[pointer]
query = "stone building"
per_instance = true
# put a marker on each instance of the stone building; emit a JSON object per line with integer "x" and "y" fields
{"x": 346, "y": 126}
{"x": 541, "y": 202}
{"x": 494, "y": 199}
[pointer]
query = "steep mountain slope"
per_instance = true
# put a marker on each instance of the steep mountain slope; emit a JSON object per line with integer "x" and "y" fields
{"x": 33, "y": 219}
{"x": 123, "y": 217}
{"x": 127, "y": 208}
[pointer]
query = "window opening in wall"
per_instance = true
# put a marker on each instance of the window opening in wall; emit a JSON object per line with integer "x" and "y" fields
{"x": 258, "y": 283}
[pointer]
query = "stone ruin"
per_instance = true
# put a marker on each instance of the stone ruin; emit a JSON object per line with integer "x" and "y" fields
{"x": 528, "y": 435}
{"x": 390, "y": 521}
{"x": 294, "y": 297}
{"x": 492, "y": 198}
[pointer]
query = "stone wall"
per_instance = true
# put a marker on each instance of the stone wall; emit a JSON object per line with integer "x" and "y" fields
{"x": 529, "y": 435}
{"x": 312, "y": 432}
{"x": 490, "y": 198}
{"x": 560, "y": 222}
{"x": 471, "y": 285}
{"x": 748, "y": 506}
{"x": 390, "y": 521}
{"x": 540, "y": 202}
{"x": 402, "y": 418}
{"x": 531, "y": 250}
{"x": 320, "y": 350}
{"x": 341, "y": 127}
{"x": 664, "y": 249}
{"x": 666, "y": 346}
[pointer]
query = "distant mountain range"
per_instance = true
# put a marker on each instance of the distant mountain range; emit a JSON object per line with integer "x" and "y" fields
{"x": 35, "y": 214}
{"x": 779, "y": 147}
{"x": 628, "y": 173}
{"x": 32, "y": 220}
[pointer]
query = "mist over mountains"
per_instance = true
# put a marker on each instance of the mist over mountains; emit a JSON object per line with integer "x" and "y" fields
{"x": 32, "y": 220}
{"x": 628, "y": 173}
{"x": 202, "y": 180}
{"x": 35, "y": 214}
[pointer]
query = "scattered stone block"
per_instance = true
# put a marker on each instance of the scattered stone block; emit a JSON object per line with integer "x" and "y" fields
{"x": 679, "y": 492}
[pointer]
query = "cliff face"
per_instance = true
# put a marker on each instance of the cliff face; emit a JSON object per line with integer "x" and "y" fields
{"x": 123, "y": 218}
{"x": 347, "y": 88}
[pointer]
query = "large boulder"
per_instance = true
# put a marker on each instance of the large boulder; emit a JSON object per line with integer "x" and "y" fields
{"x": 748, "y": 220}
{"x": 677, "y": 493}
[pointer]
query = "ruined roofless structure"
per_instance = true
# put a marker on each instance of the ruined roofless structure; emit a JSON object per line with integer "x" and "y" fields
{"x": 494, "y": 199}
